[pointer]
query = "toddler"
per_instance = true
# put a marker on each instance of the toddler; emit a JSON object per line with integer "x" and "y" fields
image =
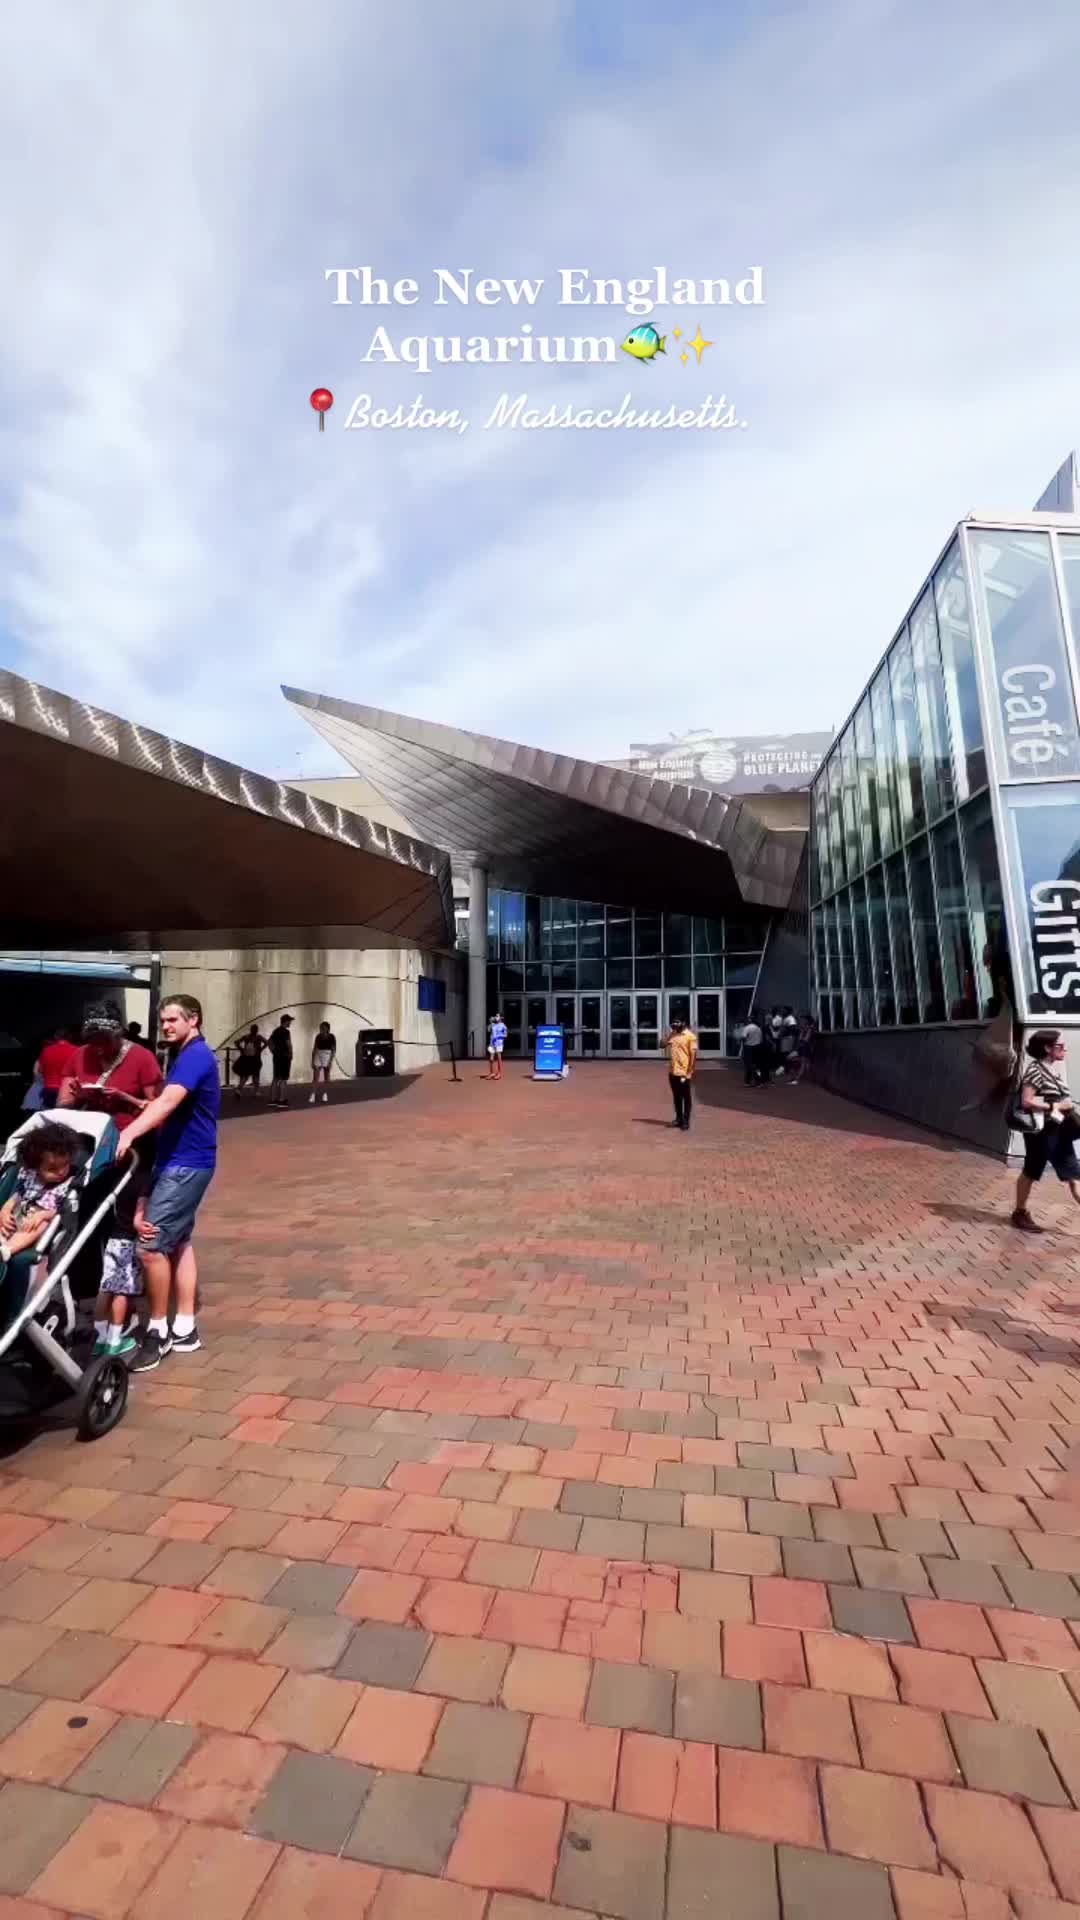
{"x": 121, "y": 1269}
{"x": 46, "y": 1170}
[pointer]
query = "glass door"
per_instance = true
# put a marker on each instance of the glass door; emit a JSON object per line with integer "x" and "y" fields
{"x": 646, "y": 1022}
{"x": 678, "y": 1008}
{"x": 709, "y": 1022}
{"x": 512, "y": 1010}
{"x": 566, "y": 1018}
{"x": 535, "y": 1016}
{"x": 620, "y": 1023}
{"x": 592, "y": 1025}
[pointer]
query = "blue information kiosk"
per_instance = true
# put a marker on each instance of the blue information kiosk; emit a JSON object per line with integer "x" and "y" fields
{"x": 550, "y": 1056}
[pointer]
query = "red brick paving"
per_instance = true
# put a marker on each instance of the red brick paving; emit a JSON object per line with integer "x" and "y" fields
{"x": 669, "y": 1523}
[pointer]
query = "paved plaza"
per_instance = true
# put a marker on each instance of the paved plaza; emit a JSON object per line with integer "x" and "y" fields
{"x": 568, "y": 1516}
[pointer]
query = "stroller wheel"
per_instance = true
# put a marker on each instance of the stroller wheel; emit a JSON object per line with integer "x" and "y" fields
{"x": 103, "y": 1398}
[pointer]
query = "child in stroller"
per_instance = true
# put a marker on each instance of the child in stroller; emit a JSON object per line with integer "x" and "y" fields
{"x": 46, "y": 1158}
{"x": 45, "y": 1346}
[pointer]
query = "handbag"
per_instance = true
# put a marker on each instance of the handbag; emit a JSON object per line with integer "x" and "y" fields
{"x": 1019, "y": 1119}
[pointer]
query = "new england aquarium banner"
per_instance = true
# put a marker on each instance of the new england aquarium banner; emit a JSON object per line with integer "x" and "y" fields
{"x": 759, "y": 763}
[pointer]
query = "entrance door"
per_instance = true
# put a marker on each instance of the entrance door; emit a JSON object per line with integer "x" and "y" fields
{"x": 592, "y": 1027}
{"x": 678, "y": 1008}
{"x": 566, "y": 1018}
{"x": 620, "y": 1023}
{"x": 512, "y": 1012}
{"x": 646, "y": 1022}
{"x": 535, "y": 1016}
{"x": 709, "y": 1022}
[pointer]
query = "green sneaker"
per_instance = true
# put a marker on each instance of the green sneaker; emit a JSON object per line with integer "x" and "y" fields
{"x": 120, "y": 1351}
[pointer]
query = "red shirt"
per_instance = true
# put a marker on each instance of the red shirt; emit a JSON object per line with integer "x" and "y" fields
{"x": 56, "y": 1061}
{"x": 137, "y": 1073}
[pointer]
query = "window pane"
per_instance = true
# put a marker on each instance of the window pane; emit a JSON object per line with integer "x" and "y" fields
{"x": 736, "y": 1014}
{"x": 836, "y": 822}
{"x": 1069, "y": 549}
{"x": 849, "y": 774}
{"x": 908, "y": 744}
{"x": 824, "y": 1013}
{"x": 960, "y": 997}
{"x": 511, "y": 979}
{"x": 879, "y": 943}
{"x": 868, "y": 794}
{"x": 847, "y": 948}
{"x": 907, "y": 999}
{"x": 930, "y": 692}
{"x": 708, "y": 970}
{"x": 708, "y": 936}
{"x": 863, "y": 971}
{"x": 564, "y": 929}
{"x": 492, "y": 993}
{"x": 821, "y": 953}
{"x": 493, "y": 925}
{"x": 832, "y": 949}
{"x": 742, "y": 969}
{"x": 647, "y": 972}
{"x": 708, "y": 1010}
{"x": 961, "y": 682}
{"x": 1032, "y": 684}
{"x": 677, "y": 933}
{"x": 619, "y": 933}
{"x": 925, "y": 930}
{"x": 677, "y": 970}
{"x": 646, "y": 933}
{"x": 744, "y": 934}
{"x": 590, "y": 931}
{"x": 885, "y": 753}
{"x": 564, "y": 976}
{"x": 984, "y": 899}
{"x": 620, "y": 974}
{"x": 513, "y": 926}
{"x": 1044, "y": 848}
{"x": 533, "y": 948}
{"x": 590, "y": 973}
{"x": 537, "y": 976}
{"x": 820, "y": 817}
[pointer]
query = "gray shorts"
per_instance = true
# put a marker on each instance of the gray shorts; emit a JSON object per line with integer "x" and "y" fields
{"x": 174, "y": 1201}
{"x": 120, "y": 1269}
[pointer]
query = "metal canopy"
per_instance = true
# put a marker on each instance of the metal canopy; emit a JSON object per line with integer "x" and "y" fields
{"x": 553, "y": 824}
{"x": 114, "y": 833}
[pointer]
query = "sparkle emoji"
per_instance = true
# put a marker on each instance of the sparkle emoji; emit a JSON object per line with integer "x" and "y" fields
{"x": 644, "y": 343}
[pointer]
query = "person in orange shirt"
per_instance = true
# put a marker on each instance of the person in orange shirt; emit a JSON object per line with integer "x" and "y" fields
{"x": 681, "y": 1049}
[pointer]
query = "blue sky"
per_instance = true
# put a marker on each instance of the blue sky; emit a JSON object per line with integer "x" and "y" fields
{"x": 176, "y": 537}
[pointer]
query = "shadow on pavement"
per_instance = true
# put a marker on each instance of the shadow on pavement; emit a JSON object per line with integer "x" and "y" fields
{"x": 349, "y": 1093}
{"x": 810, "y": 1105}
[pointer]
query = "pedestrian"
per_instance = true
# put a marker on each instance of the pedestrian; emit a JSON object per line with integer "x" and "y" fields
{"x": 323, "y": 1055}
{"x": 788, "y": 1042}
{"x": 109, "y": 1073}
{"x": 496, "y": 1043}
{"x": 681, "y": 1047}
{"x": 134, "y": 1029}
{"x": 55, "y": 1064}
{"x": 249, "y": 1052}
{"x": 1052, "y": 1130}
{"x": 185, "y": 1119}
{"x": 281, "y": 1055}
{"x": 804, "y": 1047}
{"x": 752, "y": 1045}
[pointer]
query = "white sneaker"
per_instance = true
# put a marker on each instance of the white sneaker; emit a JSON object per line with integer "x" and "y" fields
{"x": 311, "y": 1102}
{"x": 326, "y": 1099}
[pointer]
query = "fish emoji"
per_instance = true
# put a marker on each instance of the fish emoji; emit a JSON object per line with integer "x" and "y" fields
{"x": 644, "y": 343}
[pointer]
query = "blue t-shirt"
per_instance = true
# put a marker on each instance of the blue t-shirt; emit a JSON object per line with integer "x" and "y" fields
{"x": 498, "y": 1035}
{"x": 188, "y": 1137}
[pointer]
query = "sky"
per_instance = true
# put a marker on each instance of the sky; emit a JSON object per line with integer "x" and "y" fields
{"x": 177, "y": 538}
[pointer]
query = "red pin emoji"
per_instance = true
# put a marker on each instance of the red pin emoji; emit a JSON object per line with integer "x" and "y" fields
{"x": 322, "y": 400}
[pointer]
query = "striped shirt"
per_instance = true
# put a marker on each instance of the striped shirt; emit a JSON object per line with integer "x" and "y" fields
{"x": 1044, "y": 1082}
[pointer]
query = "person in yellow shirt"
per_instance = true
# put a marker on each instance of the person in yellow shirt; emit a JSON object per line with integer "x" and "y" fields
{"x": 681, "y": 1049}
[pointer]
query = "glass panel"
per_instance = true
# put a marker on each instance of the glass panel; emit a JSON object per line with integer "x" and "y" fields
{"x": 513, "y": 926}
{"x": 620, "y": 973}
{"x": 863, "y": 969}
{"x": 925, "y": 930}
{"x": 1044, "y": 848}
{"x": 1033, "y": 686}
{"x": 820, "y": 868}
{"x": 708, "y": 970}
{"x": 563, "y": 930}
{"x": 985, "y": 902}
{"x": 547, "y": 926}
{"x": 744, "y": 934}
{"x": 1069, "y": 550}
{"x": 563, "y": 976}
{"x": 832, "y": 949}
{"x": 592, "y": 1033}
{"x": 741, "y": 969}
{"x": 511, "y": 979}
{"x": 619, "y": 933}
{"x": 708, "y": 1010}
{"x": 879, "y": 945}
{"x": 493, "y": 925}
{"x": 535, "y": 1016}
{"x": 836, "y": 823}
{"x": 960, "y": 1000}
{"x": 590, "y": 932}
{"x": 824, "y": 1013}
{"x": 533, "y": 948}
{"x": 492, "y": 991}
{"x": 677, "y": 971}
{"x": 708, "y": 936}
{"x": 620, "y": 1033}
{"x": 907, "y": 998}
{"x": 566, "y": 1018}
{"x": 647, "y": 1015}
{"x": 537, "y": 976}
{"x": 821, "y": 954}
{"x": 512, "y": 1013}
{"x": 678, "y": 1007}
{"x": 961, "y": 681}
{"x": 849, "y": 774}
{"x": 885, "y": 756}
{"x": 847, "y": 950}
{"x": 590, "y": 973}
{"x": 908, "y": 745}
{"x": 868, "y": 794}
{"x": 736, "y": 1014}
{"x": 677, "y": 933}
{"x": 647, "y": 972}
{"x": 647, "y": 936}
{"x": 930, "y": 692}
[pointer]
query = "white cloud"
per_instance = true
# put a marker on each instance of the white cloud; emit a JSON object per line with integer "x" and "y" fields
{"x": 176, "y": 537}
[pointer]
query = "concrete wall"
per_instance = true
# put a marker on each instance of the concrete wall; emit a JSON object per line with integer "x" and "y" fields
{"x": 373, "y": 984}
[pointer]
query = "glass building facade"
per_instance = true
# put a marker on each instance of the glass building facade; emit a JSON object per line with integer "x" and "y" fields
{"x": 615, "y": 977}
{"x": 945, "y": 821}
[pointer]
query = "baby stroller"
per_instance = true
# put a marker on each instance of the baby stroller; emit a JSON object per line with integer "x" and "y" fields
{"x": 45, "y": 1349}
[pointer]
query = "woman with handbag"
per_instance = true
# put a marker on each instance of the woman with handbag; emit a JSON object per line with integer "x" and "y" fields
{"x": 1042, "y": 1110}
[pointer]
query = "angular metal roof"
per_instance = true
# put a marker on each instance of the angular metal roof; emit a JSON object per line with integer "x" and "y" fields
{"x": 554, "y": 824}
{"x": 115, "y": 833}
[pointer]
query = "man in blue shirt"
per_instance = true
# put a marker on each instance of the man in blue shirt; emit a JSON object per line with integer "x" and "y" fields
{"x": 185, "y": 1118}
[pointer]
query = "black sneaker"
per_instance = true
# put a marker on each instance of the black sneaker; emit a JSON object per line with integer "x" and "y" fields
{"x": 187, "y": 1342}
{"x": 152, "y": 1352}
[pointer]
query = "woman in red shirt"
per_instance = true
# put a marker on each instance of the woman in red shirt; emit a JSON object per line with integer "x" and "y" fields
{"x": 54, "y": 1064}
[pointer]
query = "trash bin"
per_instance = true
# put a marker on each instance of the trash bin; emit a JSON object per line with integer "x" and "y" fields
{"x": 375, "y": 1051}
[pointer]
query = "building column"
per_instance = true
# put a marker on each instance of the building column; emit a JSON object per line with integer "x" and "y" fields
{"x": 478, "y": 944}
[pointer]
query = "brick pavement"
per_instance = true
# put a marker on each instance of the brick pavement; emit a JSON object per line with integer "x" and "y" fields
{"x": 567, "y": 1516}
